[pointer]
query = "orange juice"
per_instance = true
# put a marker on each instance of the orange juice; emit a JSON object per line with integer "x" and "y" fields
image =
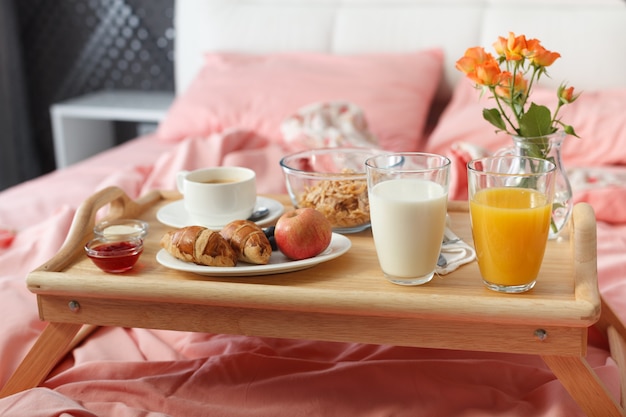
{"x": 510, "y": 229}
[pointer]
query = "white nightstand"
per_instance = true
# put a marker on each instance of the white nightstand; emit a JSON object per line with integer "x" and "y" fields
{"x": 83, "y": 126}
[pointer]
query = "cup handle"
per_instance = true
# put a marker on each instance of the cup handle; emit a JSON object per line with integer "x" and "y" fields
{"x": 180, "y": 181}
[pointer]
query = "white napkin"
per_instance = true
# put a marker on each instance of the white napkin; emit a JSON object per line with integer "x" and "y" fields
{"x": 456, "y": 252}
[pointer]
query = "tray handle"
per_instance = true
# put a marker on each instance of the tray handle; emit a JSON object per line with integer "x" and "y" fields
{"x": 583, "y": 243}
{"x": 84, "y": 220}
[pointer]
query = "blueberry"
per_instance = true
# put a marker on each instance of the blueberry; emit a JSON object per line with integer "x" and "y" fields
{"x": 269, "y": 232}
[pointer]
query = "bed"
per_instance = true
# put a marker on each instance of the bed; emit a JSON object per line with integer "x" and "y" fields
{"x": 243, "y": 70}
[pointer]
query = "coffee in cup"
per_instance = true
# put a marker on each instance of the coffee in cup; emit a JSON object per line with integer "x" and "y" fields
{"x": 213, "y": 197}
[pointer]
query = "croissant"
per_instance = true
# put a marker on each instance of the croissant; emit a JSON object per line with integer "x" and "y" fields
{"x": 248, "y": 240}
{"x": 199, "y": 245}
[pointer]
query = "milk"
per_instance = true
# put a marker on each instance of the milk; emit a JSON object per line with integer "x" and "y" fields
{"x": 408, "y": 219}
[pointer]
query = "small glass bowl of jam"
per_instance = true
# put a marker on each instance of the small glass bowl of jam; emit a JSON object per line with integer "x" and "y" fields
{"x": 117, "y": 244}
{"x": 114, "y": 256}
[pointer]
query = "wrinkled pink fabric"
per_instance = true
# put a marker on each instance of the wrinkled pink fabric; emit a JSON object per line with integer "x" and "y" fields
{"x": 142, "y": 372}
{"x": 232, "y": 148}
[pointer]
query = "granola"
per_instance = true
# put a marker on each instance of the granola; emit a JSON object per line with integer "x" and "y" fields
{"x": 343, "y": 202}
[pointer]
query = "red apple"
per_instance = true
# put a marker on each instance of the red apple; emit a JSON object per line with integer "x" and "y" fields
{"x": 302, "y": 233}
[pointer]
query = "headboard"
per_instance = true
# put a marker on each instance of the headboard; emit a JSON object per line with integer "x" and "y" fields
{"x": 587, "y": 33}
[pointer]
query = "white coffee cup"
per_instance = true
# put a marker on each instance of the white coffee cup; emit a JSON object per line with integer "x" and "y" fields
{"x": 213, "y": 197}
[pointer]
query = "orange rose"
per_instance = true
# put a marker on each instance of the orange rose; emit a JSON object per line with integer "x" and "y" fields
{"x": 472, "y": 57}
{"x": 510, "y": 87}
{"x": 479, "y": 66}
{"x": 566, "y": 94}
{"x": 512, "y": 48}
{"x": 488, "y": 74}
{"x": 540, "y": 56}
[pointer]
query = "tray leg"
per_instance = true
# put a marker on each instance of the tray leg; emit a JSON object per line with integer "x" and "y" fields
{"x": 617, "y": 345}
{"x": 53, "y": 344}
{"x": 615, "y": 332}
{"x": 584, "y": 386}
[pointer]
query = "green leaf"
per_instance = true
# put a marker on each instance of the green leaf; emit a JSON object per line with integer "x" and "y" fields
{"x": 536, "y": 122}
{"x": 494, "y": 117}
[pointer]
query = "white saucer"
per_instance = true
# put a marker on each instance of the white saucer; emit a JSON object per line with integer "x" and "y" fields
{"x": 278, "y": 264}
{"x": 175, "y": 215}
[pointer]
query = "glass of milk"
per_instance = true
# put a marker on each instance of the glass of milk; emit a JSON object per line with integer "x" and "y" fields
{"x": 408, "y": 195}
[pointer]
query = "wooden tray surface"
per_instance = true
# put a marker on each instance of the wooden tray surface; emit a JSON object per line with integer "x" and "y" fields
{"x": 353, "y": 284}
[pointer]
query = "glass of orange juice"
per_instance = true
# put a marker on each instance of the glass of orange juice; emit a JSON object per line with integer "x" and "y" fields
{"x": 510, "y": 210}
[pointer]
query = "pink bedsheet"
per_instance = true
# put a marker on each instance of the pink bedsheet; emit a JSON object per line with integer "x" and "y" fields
{"x": 139, "y": 372}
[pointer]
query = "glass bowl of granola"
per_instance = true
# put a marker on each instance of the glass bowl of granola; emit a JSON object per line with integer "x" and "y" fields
{"x": 332, "y": 181}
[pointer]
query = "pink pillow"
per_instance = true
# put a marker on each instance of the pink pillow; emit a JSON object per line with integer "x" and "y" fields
{"x": 597, "y": 117}
{"x": 257, "y": 92}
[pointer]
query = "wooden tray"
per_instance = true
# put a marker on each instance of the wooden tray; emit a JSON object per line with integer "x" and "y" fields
{"x": 345, "y": 299}
{"x": 353, "y": 285}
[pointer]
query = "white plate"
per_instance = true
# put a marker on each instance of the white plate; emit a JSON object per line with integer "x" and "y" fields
{"x": 174, "y": 214}
{"x": 278, "y": 264}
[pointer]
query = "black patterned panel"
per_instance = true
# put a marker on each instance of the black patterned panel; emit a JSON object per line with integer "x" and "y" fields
{"x": 72, "y": 47}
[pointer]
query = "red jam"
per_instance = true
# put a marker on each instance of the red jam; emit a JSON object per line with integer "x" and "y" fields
{"x": 114, "y": 257}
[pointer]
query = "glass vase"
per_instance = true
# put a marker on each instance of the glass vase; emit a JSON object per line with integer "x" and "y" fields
{"x": 549, "y": 147}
